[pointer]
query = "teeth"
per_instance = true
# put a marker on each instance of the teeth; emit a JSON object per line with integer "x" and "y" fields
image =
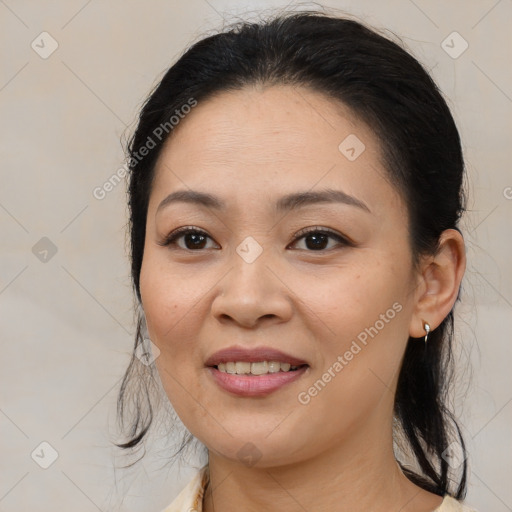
{"x": 274, "y": 367}
{"x": 259, "y": 368}
{"x": 242, "y": 368}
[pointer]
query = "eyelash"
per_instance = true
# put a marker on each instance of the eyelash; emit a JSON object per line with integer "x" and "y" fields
{"x": 180, "y": 232}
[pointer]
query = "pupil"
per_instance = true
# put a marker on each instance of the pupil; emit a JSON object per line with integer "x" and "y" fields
{"x": 319, "y": 241}
{"x": 197, "y": 240}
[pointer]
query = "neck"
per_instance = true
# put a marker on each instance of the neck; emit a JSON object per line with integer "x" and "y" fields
{"x": 360, "y": 476}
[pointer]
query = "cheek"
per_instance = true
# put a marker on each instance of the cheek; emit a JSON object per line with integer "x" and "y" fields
{"x": 361, "y": 314}
{"x": 360, "y": 321}
{"x": 171, "y": 299}
{"x": 172, "y": 303}
{"x": 347, "y": 300}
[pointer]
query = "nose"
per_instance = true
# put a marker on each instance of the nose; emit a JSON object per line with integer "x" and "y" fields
{"x": 252, "y": 294}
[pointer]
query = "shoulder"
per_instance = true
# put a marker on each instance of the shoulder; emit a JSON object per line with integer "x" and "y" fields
{"x": 450, "y": 504}
{"x": 191, "y": 497}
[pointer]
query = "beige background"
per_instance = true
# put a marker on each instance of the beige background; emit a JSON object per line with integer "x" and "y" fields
{"x": 66, "y": 323}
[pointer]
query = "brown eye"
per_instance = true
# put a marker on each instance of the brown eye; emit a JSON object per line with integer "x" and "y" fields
{"x": 317, "y": 239}
{"x": 193, "y": 239}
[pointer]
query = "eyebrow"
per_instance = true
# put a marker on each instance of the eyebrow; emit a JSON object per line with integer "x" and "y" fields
{"x": 285, "y": 203}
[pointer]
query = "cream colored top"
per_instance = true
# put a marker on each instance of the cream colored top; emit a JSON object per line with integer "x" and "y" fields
{"x": 190, "y": 498}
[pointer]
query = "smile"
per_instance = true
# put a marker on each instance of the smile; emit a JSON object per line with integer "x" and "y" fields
{"x": 255, "y": 385}
{"x": 257, "y": 368}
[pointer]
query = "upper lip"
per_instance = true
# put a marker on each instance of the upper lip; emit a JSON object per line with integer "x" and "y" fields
{"x": 252, "y": 355}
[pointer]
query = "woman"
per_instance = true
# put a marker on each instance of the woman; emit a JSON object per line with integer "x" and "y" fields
{"x": 295, "y": 191}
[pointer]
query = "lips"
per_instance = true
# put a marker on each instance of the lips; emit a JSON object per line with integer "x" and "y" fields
{"x": 252, "y": 355}
{"x": 259, "y": 385}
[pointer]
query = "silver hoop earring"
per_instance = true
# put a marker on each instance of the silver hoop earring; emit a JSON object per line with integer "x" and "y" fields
{"x": 427, "y": 330}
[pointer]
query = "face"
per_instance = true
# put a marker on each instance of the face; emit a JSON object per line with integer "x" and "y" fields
{"x": 329, "y": 283}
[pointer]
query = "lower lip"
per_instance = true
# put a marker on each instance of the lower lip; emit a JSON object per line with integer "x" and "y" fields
{"x": 255, "y": 385}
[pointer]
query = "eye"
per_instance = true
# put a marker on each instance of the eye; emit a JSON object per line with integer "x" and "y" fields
{"x": 317, "y": 239}
{"x": 193, "y": 239}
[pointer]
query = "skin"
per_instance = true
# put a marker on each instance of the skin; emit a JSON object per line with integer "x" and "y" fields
{"x": 249, "y": 148}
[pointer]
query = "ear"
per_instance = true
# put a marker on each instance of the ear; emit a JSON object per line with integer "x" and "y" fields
{"x": 439, "y": 283}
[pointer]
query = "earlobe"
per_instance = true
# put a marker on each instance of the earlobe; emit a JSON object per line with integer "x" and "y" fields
{"x": 441, "y": 274}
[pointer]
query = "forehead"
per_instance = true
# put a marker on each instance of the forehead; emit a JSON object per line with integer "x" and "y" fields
{"x": 265, "y": 140}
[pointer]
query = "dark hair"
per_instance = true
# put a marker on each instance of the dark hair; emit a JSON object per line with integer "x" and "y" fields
{"x": 387, "y": 88}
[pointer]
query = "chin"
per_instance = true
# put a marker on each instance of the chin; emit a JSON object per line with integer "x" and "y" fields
{"x": 257, "y": 450}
